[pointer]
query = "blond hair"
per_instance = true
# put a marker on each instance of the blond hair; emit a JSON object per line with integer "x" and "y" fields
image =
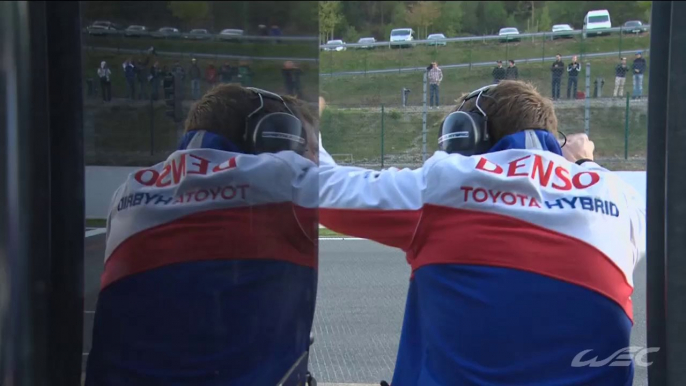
{"x": 513, "y": 106}
{"x": 224, "y": 110}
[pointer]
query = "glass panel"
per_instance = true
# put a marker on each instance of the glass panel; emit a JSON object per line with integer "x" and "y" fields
{"x": 200, "y": 250}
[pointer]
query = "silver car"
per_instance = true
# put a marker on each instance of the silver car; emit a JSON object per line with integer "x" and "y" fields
{"x": 199, "y": 34}
{"x": 167, "y": 33}
{"x": 135, "y": 31}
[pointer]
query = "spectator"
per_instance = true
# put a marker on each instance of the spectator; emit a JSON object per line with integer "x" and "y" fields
{"x": 573, "y": 70}
{"x": 211, "y": 75}
{"x": 291, "y": 76}
{"x": 499, "y": 73}
{"x": 142, "y": 77}
{"x": 226, "y": 73}
{"x": 512, "y": 72}
{"x": 194, "y": 74}
{"x": 620, "y": 78}
{"x": 130, "y": 75}
{"x": 104, "y": 74}
{"x": 639, "y": 67}
{"x": 154, "y": 78}
{"x": 245, "y": 74}
{"x": 557, "y": 70}
{"x": 435, "y": 76}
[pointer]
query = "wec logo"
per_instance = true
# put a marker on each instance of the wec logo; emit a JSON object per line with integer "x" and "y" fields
{"x": 620, "y": 358}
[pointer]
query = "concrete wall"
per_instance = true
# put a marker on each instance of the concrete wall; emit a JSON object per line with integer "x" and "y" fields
{"x": 102, "y": 181}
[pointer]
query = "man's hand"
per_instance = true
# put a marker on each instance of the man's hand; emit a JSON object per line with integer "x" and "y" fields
{"x": 578, "y": 147}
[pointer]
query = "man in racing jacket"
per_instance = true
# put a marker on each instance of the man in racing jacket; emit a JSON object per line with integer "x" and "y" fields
{"x": 211, "y": 256}
{"x": 522, "y": 256}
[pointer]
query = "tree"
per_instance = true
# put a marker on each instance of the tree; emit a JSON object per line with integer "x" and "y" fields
{"x": 493, "y": 17}
{"x": 189, "y": 11}
{"x": 330, "y": 16}
{"x": 422, "y": 15}
{"x": 450, "y": 20}
{"x": 544, "y": 22}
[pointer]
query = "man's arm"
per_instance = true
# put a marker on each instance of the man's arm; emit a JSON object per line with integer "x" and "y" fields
{"x": 382, "y": 206}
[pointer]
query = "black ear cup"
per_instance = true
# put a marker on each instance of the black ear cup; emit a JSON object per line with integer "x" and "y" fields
{"x": 276, "y": 132}
{"x": 464, "y": 133}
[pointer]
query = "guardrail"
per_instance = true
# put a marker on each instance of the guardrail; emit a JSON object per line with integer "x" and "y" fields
{"x": 142, "y": 51}
{"x": 476, "y": 64}
{"x": 646, "y": 27}
{"x": 195, "y": 37}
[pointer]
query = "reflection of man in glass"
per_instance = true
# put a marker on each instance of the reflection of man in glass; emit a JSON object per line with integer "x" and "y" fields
{"x": 291, "y": 77}
{"x": 210, "y": 267}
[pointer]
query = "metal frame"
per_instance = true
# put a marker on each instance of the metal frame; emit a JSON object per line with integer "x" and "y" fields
{"x": 41, "y": 194}
{"x": 666, "y": 201}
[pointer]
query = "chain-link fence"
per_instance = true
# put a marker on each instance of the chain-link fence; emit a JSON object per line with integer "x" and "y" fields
{"x": 382, "y": 135}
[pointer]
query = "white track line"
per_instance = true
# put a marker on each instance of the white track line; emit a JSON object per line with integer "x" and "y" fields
{"x": 341, "y": 238}
{"x": 96, "y": 232}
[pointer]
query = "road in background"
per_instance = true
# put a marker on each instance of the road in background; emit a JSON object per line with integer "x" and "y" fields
{"x": 360, "y": 306}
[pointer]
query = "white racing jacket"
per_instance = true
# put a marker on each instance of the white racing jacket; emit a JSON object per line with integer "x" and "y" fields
{"x": 520, "y": 260}
{"x": 210, "y": 271}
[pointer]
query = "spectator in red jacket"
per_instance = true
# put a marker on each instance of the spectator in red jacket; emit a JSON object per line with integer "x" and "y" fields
{"x": 211, "y": 75}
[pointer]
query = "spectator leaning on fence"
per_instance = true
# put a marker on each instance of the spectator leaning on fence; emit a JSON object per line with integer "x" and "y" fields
{"x": 194, "y": 74}
{"x": 499, "y": 73}
{"x": 557, "y": 69}
{"x": 620, "y": 78}
{"x": 154, "y": 78}
{"x": 573, "y": 70}
{"x": 130, "y": 75}
{"x": 435, "y": 76}
{"x": 512, "y": 72}
{"x": 639, "y": 68}
{"x": 104, "y": 74}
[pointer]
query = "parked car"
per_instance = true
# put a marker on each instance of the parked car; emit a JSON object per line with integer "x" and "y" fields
{"x": 366, "y": 41}
{"x": 634, "y": 27}
{"x": 509, "y": 34}
{"x": 436, "y": 40}
{"x": 230, "y": 34}
{"x": 135, "y": 31}
{"x": 402, "y": 37}
{"x": 199, "y": 34}
{"x": 597, "y": 23}
{"x": 167, "y": 33}
{"x": 562, "y": 31}
{"x": 104, "y": 23}
{"x": 101, "y": 30}
{"x": 339, "y": 45}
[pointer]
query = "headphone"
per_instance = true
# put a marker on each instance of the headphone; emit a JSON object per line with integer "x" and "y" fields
{"x": 466, "y": 132}
{"x": 273, "y": 132}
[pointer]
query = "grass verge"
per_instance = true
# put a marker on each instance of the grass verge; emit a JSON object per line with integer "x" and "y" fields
{"x": 96, "y": 223}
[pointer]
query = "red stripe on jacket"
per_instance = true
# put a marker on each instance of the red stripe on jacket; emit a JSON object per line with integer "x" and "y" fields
{"x": 458, "y": 236}
{"x": 265, "y": 232}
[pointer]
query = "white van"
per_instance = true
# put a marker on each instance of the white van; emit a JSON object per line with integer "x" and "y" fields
{"x": 597, "y": 23}
{"x": 401, "y": 35}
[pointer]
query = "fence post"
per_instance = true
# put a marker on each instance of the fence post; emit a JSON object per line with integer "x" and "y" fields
{"x": 424, "y": 121}
{"x": 469, "y": 43}
{"x": 620, "y": 41}
{"x": 587, "y": 112}
{"x": 543, "y": 51}
{"x": 626, "y": 128}
{"x": 382, "y": 135}
{"x": 507, "y": 49}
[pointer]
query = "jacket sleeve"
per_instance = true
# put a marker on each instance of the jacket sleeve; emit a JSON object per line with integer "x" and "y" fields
{"x": 384, "y": 206}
